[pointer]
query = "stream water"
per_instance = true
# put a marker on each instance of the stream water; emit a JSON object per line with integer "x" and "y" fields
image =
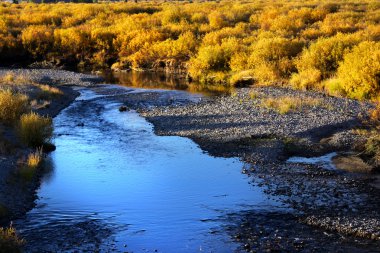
{"x": 113, "y": 185}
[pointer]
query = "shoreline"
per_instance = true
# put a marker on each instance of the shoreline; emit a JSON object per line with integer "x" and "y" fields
{"x": 238, "y": 126}
{"x": 17, "y": 197}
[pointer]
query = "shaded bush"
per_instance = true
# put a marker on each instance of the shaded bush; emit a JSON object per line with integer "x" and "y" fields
{"x": 35, "y": 130}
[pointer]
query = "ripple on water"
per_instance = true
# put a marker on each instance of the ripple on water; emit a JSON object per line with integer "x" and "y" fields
{"x": 115, "y": 184}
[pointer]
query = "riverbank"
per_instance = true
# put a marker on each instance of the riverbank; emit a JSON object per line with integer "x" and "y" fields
{"x": 17, "y": 195}
{"x": 341, "y": 203}
{"x": 331, "y": 207}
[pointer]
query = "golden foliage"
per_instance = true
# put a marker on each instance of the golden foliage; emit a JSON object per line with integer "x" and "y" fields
{"x": 287, "y": 104}
{"x": 359, "y": 72}
{"x": 274, "y": 41}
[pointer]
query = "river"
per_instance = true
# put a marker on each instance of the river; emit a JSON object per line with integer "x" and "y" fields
{"x": 113, "y": 185}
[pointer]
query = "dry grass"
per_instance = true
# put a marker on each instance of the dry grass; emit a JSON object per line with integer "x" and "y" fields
{"x": 12, "y": 106}
{"x": 10, "y": 241}
{"x": 48, "y": 92}
{"x": 11, "y": 78}
{"x": 35, "y": 159}
{"x": 253, "y": 94}
{"x": 288, "y": 104}
{"x": 35, "y": 130}
{"x": 375, "y": 115}
{"x": 28, "y": 168}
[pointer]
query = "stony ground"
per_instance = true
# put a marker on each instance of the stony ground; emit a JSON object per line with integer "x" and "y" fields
{"x": 325, "y": 209}
{"x": 342, "y": 204}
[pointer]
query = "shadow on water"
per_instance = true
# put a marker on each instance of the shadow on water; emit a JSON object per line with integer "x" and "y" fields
{"x": 154, "y": 80}
{"x": 115, "y": 185}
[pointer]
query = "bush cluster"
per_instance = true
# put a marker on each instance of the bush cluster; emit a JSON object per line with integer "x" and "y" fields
{"x": 306, "y": 44}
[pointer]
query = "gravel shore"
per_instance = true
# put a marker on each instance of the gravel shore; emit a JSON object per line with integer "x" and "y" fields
{"x": 238, "y": 125}
{"x": 341, "y": 206}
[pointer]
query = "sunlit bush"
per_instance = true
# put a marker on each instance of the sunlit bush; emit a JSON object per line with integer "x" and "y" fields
{"x": 38, "y": 40}
{"x": 216, "y": 41}
{"x": 270, "y": 59}
{"x": 359, "y": 73}
{"x": 322, "y": 58}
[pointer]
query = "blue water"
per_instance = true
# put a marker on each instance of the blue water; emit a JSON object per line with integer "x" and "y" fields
{"x": 153, "y": 192}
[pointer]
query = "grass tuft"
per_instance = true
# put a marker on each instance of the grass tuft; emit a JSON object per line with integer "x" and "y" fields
{"x": 35, "y": 130}
{"x": 12, "y": 106}
{"x": 10, "y": 241}
{"x": 288, "y": 104}
{"x": 11, "y": 78}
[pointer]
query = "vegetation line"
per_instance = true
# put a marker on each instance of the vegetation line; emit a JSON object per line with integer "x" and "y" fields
{"x": 330, "y": 45}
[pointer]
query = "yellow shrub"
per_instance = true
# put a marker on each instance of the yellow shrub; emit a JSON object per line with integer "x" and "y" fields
{"x": 325, "y": 54}
{"x": 10, "y": 241}
{"x": 286, "y": 104}
{"x": 270, "y": 58}
{"x": 359, "y": 73}
{"x": 12, "y": 106}
{"x": 35, "y": 159}
{"x": 38, "y": 40}
{"x": 306, "y": 79}
{"x": 35, "y": 130}
{"x": 217, "y": 20}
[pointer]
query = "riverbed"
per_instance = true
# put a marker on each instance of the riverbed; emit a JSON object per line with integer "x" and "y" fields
{"x": 114, "y": 184}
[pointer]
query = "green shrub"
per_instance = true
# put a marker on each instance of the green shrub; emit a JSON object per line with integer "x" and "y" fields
{"x": 12, "y": 106}
{"x": 35, "y": 130}
{"x": 359, "y": 73}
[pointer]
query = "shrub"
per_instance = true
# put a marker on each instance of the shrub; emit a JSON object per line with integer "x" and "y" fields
{"x": 270, "y": 58}
{"x": 12, "y": 106}
{"x": 333, "y": 87}
{"x": 359, "y": 73}
{"x": 323, "y": 57}
{"x": 35, "y": 130}
{"x": 38, "y": 40}
{"x": 10, "y": 241}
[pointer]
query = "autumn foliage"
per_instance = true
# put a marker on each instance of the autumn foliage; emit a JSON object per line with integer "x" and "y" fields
{"x": 305, "y": 44}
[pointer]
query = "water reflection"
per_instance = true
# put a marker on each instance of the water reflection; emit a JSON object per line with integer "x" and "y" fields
{"x": 113, "y": 176}
{"x": 153, "y": 80}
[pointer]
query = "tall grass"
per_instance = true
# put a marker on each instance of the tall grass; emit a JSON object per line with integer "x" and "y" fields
{"x": 35, "y": 130}
{"x": 12, "y": 106}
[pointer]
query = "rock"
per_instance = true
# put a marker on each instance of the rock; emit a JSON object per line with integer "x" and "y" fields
{"x": 122, "y": 108}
